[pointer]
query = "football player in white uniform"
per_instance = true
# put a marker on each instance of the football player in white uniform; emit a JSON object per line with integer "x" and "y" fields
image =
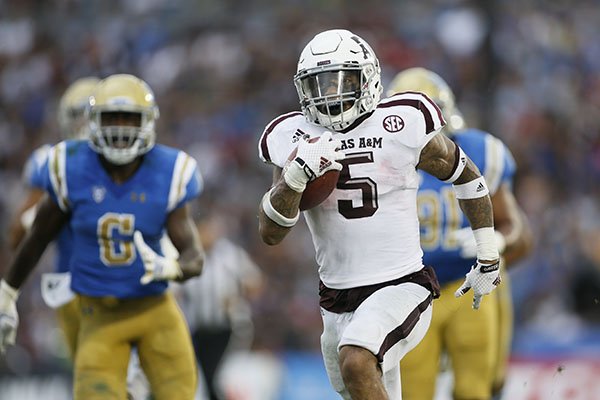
{"x": 375, "y": 294}
{"x": 476, "y": 344}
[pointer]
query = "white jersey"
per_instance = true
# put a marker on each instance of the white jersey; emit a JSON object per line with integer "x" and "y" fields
{"x": 367, "y": 230}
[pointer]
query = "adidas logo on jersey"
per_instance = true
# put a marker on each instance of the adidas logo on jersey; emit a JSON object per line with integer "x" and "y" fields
{"x": 480, "y": 187}
{"x": 299, "y": 134}
{"x": 323, "y": 164}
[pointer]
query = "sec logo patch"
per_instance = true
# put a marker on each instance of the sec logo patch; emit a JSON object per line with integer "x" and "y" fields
{"x": 393, "y": 123}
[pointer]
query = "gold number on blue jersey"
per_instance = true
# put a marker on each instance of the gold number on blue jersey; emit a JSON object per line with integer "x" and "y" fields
{"x": 433, "y": 206}
{"x": 116, "y": 252}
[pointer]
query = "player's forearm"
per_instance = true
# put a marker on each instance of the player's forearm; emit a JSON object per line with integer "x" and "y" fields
{"x": 479, "y": 213}
{"x": 16, "y": 234}
{"x": 475, "y": 202}
{"x": 519, "y": 240}
{"x": 48, "y": 222}
{"x": 23, "y": 222}
{"x": 26, "y": 258}
{"x": 511, "y": 225}
{"x": 284, "y": 201}
{"x": 191, "y": 262}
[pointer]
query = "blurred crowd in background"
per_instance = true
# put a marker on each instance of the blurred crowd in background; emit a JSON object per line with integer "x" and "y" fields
{"x": 528, "y": 71}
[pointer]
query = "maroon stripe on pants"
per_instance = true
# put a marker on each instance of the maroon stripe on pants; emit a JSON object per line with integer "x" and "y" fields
{"x": 402, "y": 331}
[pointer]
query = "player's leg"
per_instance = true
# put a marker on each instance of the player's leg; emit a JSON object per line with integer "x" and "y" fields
{"x": 471, "y": 340}
{"x": 138, "y": 387}
{"x": 68, "y": 321}
{"x": 210, "y": 345}
{"x": 166, "y": 352}
{"x": 420, "y": 367}
{"x": 361, "y": 373}
{"x": 505, "y": 326}
{"x": 102, "y": 352}
{"x": 333, "y": 325}
{"x": 383, "y": 329}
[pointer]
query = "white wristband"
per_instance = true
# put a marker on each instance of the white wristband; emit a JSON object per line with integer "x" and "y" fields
{"x": 487, "y": 247}
{"x": 471, "y": 190}
{"x": 275, "y": 215}
{"x": 295, "y": 176}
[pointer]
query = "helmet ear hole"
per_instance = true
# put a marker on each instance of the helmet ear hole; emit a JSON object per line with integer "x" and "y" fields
{"x": 341, "y": 58}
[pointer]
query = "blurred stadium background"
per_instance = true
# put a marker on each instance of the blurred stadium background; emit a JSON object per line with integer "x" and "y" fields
{"x": 528, "y": 71}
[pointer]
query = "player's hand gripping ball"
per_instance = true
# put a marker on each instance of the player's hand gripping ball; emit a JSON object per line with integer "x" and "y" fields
{"x": 324, "y": 177}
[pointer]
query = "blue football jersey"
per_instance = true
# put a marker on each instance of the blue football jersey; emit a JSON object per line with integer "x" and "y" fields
{"x": 34, "y": 167}
{"x": 33, "y": 177}
{"x": 439, "y": 213}
{"x": 104, "y": 214}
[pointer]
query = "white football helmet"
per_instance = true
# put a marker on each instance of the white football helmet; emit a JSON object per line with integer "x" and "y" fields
{"x": 338, "y": 79}
{"x": 122, "y": 93}
{"x": 435, "y": 87}
{"x": 71, "y": 108}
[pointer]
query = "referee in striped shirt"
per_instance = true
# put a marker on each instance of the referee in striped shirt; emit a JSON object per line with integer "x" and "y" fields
{"x": 216, "y": 303}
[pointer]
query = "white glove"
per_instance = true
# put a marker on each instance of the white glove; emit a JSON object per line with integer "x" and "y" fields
{"x": 158, "y": 268}
{"x": 9, "y": 319}
{"x": 312, "y": 160}
{"x": 483, "y": 278}
{"x": 468, "y": 246}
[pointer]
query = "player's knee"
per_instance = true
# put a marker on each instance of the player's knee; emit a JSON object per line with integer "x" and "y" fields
{"x": 89, "y": 386}
{"x": 356, "y": 363}
{"x": 480, "y": 393}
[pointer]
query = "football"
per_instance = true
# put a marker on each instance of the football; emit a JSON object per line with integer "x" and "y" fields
{"x": 318, "y": 190}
